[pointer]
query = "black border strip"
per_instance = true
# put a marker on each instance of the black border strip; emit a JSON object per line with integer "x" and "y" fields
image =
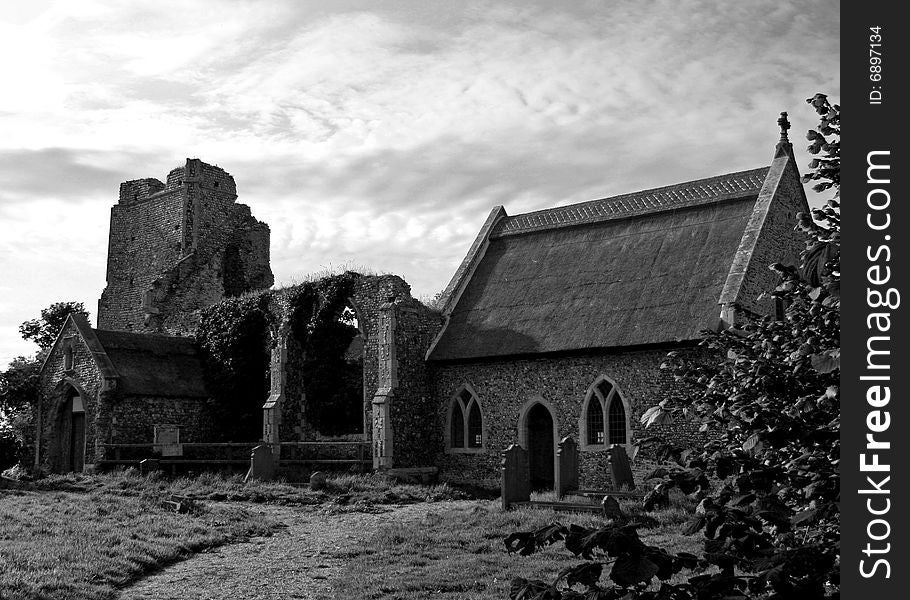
{"x": 874, "y": 121}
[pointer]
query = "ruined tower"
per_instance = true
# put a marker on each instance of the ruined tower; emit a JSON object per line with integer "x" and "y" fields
{"x": 177, "y": 247}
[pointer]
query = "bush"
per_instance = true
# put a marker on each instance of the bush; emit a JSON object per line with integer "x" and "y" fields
{"x": 9, "y": 449}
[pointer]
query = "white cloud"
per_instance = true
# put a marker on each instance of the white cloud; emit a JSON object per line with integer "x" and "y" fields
{"x": 380, "y": 134}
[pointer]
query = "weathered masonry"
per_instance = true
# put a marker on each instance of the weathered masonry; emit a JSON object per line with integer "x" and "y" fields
{"x": 101, "y": 387}
{"x": 179, "y": 246}
{"x": 554, "y": 326}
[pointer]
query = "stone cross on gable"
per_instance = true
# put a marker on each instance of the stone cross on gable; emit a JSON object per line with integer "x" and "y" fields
{"x": 784, "y": 124}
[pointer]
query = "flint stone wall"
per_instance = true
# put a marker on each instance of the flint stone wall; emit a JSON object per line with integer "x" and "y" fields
{"x": 504, "y": 387}
{"x": 178, "y": 247}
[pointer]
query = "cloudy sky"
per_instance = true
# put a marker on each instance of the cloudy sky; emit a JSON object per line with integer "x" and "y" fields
{"x": 377, "y": 134}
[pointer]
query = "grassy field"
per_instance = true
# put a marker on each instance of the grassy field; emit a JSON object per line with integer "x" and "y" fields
{"x": 343, "y": 489}
{"x": 85, "y": 545}
{"x": 79, "y": 536}
{"x": 458, "y": 552}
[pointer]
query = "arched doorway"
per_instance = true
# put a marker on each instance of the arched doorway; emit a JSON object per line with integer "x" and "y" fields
{"x": 540, "y": 438}
{"x": 71, "y": 432}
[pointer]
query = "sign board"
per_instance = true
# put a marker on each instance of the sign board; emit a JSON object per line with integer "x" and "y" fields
{"x": 167, "y": 440}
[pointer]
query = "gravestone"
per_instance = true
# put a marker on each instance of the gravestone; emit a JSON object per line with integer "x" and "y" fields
{"x": 516, "y": 482}
{"x": 567, "y": 466}
{"x": 620, "y": 468}
{"x": 148, "y": 465}
{"x": 317, "y": 480}
{"x": 611, "y": 509}
{"x": 262, "y": 465}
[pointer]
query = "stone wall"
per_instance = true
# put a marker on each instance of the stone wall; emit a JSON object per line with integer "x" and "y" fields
{"x": 769, "y": 237}
{"x": 177, "y": 247}
{"x": 506, "y": 387}
{"x": 779, "y": 241}
{"x": 412, "y": 404}
{"x": 134, "y": 419}
{"x": 145, "y": 239}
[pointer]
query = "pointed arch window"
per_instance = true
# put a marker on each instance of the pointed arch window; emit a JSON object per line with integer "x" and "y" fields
{"x": 604, "y": 420}
{"x": 466, "y": 426}
{"x": 68, "y": 351}
{"x": 617, "y": 421}
{"x": 595, "y": 423}
{"x": 456, "y": 419}
{"x": 475, "y": 426}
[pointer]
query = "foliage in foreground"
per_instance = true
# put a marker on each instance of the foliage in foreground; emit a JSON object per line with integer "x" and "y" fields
{"x": 772, "y": 407}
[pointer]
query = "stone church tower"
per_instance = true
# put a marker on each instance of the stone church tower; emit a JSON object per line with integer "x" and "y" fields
{"x": 177, "y": 247}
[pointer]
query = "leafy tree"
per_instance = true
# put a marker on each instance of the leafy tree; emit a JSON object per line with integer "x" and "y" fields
{"x": 773, "y": 403}
{"x": 19, "y": 384}
{"x": 44, "y": 331}
{"x": 18, "y": 391}
{"x": 772, "y": 406}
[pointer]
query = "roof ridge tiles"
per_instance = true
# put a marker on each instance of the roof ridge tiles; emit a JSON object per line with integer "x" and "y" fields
{"x": 690, "y": 193}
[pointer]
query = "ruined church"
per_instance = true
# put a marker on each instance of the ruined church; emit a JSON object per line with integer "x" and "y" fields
{"x": 554, "y": 326}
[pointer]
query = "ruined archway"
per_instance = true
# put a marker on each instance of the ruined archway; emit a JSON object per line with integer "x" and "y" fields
{"x": 326, "y": 365}
{"x": 333, "y": 374}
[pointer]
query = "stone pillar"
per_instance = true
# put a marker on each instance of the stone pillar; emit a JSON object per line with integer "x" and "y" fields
{"x": 383, "y": 443}
{"x": 271, "y": 410}
{"x": 516, "y": 479}
{"x": 387, "y": 379}
{"x": 567, "y": 466}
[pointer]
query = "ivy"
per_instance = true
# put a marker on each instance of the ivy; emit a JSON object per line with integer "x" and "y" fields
{"x": 333, "y": 385}
{"x": 234, "y": 338}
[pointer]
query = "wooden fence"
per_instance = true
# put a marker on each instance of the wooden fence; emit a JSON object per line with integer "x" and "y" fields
{"x": 207, "y": 455}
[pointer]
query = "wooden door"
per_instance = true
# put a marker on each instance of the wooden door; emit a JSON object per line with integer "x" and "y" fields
{"x": 77, "y": 441}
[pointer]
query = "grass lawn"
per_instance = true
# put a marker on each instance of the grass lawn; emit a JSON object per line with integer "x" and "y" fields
{"x": 78, "y": 536}
{"x": 344, "y": 489}
{"x": 458, "y": 553}
{"x": 85, "y": 545}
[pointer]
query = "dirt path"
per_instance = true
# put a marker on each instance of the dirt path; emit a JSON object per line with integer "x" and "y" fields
{"x": 300, "y": 561}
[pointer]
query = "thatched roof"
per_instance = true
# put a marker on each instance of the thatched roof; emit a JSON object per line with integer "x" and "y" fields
{"x": 154, "y": 365}
{"x": 638, "y": 269}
